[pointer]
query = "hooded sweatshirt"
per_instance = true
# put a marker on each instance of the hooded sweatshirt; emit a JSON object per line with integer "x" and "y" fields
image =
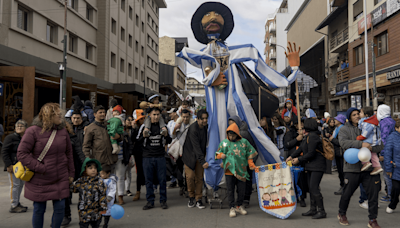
{"x": 293, "y": 109}
{"x": 370, "y": 131}
{"x": 239, "y": 154}
{"x": 386, "y": 122}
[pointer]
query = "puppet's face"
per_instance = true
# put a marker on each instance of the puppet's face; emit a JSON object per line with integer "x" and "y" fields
{"x": 212, "y": 23}
{"x": 291, "y": 192}
{"x": 283, "y": 192}
{"x": 266, "y": 196}
{"x": 274, "y": 196}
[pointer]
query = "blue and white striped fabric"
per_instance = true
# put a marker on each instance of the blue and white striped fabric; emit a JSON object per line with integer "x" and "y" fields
{"x": 232, "y": 101}
{"x": 371, "y": 133}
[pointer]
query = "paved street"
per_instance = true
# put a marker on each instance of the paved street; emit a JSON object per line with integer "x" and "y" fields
{"x": 179, "y": 215}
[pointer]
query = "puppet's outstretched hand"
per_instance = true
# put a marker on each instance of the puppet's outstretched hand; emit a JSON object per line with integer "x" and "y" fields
{"x": 293, "y": 55}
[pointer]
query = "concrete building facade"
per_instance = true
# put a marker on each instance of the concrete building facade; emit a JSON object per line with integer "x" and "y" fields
{"x": 195, "y": 87}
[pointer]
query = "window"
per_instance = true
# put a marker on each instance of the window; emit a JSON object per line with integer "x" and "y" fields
{"x": 156, "y": 86}
{"x": 130, "y": 41}
{"x": 142, "y": 76}
{"x": 156, "y": 28}
{"x": 148, "y": 82}
{"x": 113, "y": 59}
{"x": 136, "y": 73}
{"x": 89, "y": 51}
{"x": 152, "y": 4}
{"x": 148, "y": 39}
{"x": 377, "y": 1}
{"x": 137, "y": 47}
{"x": 148, "y": 18}
{"x": 123, "y": 5}
{"x": 152, "y": 64}
{"x": 143, "y": 4}
{"x": 22, "y": 22}
{"x": 358, "y": 9}
{"x": 73, "y": 4}
{"x": 142, "y": 51}
{"x": 113, "y": 26}
{"x": 122, "y": 65}
{"x": 152, "y": 84}
{"x": 382, "y": 40}
{"x": 122, "y": 34}
{"x": 89, "y": 12}
{"x": 156, "y": 48}
{"x": 142, "y": 27}
{"x": 129, "y": 69}
{"x": 51, "y": 33}
{"x": 73, "y": 43}
{"x": 130, "y": 12}
{"x": 156, "y": 68}
{"x": 359, "y": 54}
{"x": 137, "y": 20}
{"x": 148, "y": 60}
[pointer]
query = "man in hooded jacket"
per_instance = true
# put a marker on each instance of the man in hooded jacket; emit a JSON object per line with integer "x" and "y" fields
{"x": 352, "y": 172}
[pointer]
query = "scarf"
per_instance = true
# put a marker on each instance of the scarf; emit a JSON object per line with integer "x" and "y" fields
{"x": 336, "y": 131}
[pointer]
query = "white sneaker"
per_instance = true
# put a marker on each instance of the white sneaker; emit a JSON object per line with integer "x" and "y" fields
{"x": 389, "y": 210}
{"x": 241, "y": 210}
{"x": 232, "y": 212}
{"x": 364, "y": 205}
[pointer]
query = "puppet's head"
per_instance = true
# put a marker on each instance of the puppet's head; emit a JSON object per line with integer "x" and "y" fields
{"x": 282, "y": 192}
{"x": 212, "y": 18}
{"x": 274, "y": 195}
{"x": 291, "y": 192}
{"x": 266, "y": 196}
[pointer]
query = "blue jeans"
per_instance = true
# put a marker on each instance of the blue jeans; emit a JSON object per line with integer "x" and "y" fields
{"x": 363, "y": 196}
{"x": 388, "y": 180}
{"x": 39, "y": 208}
{"x": 156, "y": 166}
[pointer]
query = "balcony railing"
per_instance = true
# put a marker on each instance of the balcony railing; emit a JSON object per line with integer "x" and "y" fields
{"x": 340, "y": 38}
{"x": 272, "y": 40}
{"x": 272, "y": 27}
{"x": 343, "y": 75}
{"x": 272, "y": 56}
{"x": 283, "y": 10}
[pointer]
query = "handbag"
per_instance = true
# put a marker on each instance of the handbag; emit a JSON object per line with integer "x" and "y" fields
{"x": 22, "y": 172}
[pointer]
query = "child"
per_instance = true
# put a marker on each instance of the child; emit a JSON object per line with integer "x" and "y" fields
{"x": 153, "y": 102}
{"x": 266, "y": 198}
{"x": 392, "y": 165}
{"x": 110, "y": 180}
{"x": 289, "y": 107}
{"x": 92, "y": 194}
{"x": 116, "y": 125}
{"x": 237, "y": 153}
{"x": 370, "y": 133}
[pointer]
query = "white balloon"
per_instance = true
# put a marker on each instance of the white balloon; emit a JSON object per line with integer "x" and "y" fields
{"x": 364, "y": 154}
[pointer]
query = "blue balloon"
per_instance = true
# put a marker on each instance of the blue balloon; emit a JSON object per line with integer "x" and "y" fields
{"x": 351, "y": 155}
{"x": 117, "y": 211}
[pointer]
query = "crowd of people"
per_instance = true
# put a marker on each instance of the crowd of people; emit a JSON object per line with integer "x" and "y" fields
{"x": 92, "y": 151}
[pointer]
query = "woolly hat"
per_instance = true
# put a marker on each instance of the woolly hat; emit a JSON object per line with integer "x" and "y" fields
{"x": 89, "y": 104}
{"x": 118, "y": 108}
{"x": 349, "y": 111}
{"x": 87, "y": 160}
{"x": 138, "y": 114}
{"x": 383, "y": 112}
{"x": 236, "y": 119}
{"x": 341, "y": 118}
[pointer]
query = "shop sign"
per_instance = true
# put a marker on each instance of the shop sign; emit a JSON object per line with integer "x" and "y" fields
{"x": 393, "y": 76}
{"x": 342, "y": 89}
{"x": 361, "y": 24}
{"x": 392, "y": 6}
{"x": 379, "y": 14}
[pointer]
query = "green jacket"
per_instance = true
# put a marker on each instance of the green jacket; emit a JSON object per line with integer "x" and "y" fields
{"x": 115, "y": 125}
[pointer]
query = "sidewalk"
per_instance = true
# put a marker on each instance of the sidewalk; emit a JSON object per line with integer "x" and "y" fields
{"x": 179, "y": 215}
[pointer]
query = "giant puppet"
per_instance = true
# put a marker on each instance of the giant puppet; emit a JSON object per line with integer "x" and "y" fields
{"x": 224, "y": 74}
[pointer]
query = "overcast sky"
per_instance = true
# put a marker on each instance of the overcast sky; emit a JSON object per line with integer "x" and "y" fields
{"x": 249, "y": 16}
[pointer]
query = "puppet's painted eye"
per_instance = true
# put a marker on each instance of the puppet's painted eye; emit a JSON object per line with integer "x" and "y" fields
{"x": 207, "y": 14}
{"x": 216, "y": 14}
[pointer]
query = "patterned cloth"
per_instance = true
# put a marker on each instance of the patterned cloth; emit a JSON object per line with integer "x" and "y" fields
{"x": 237, "y": 153}
{"x": 111, "y": 184}
{"x": 279, "y": 138}
{"x": 92, "y": 197}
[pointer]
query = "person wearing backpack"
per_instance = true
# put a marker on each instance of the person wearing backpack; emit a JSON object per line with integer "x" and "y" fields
{"x": 315, "y": 165}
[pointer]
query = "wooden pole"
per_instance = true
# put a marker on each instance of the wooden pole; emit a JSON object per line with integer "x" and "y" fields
{"x": 298, "y": 105}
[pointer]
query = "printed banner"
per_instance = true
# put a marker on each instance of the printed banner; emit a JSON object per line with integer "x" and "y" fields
{"x": 275, "y": 187}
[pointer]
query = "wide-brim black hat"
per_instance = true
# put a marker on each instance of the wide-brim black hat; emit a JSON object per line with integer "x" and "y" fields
{"x": 206, "y": 7}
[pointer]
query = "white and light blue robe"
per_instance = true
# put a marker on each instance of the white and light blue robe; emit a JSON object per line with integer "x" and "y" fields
{"x": 231, "y": 101}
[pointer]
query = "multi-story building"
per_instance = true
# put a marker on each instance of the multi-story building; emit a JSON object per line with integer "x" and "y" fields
{"x": 276, "y": 40}
{"x": 112, "y": 47}
{"x": 195, "y": 87}
{"x": 301, "y": 30}
{"x": 172, "y": 69}
{"x": 346, "y": 26}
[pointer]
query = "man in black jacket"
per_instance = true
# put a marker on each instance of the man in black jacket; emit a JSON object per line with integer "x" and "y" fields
{"x": 193, "y": 156}
{"x": 154, "y": 160}
{"x": 78, "y": 125}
